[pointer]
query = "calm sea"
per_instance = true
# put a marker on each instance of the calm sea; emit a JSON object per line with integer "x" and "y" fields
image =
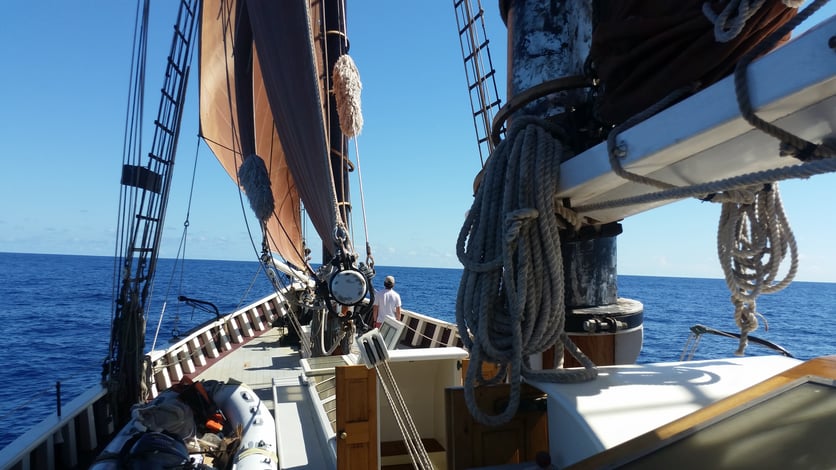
{"x": 55, "y": 312}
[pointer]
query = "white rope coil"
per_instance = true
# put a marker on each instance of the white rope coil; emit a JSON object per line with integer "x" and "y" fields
{"x": 511, "y": 298}
{"x": 347, "y": 88}
{"x": 753, "y": 239}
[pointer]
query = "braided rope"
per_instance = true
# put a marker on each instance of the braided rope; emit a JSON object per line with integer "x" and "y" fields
{"x": 753, "y": 239}
{"x": 510, "y": 302}
{"x": 412, "y": 438}
{"x": 791, "y": 144}
{"x": 731, "y": 20}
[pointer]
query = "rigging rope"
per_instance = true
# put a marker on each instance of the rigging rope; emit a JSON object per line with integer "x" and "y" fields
{"x": 803, "y": 170}
{"x": 753, "y": 239}
{"x": 511, "y": 297}
{"x": 180, "y": 257}
{"x": 732, "y": 19}
{"x": 412, "y": 438}
{"x": 372, "y": 349}
{"x": 753, "y": 236}
{"x": 791, "y": 144}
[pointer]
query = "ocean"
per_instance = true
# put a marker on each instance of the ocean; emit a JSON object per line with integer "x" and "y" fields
{"x": 55, "y": 313}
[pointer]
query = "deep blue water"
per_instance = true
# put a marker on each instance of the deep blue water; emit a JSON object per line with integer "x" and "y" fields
{"x": 55, "y": 313}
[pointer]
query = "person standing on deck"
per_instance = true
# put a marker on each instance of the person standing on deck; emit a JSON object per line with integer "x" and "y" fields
{"x": 387, "y": 303}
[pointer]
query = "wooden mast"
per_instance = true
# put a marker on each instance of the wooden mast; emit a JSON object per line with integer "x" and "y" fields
{"x": 549, "y": 41}
{"x": 336, "y": 45}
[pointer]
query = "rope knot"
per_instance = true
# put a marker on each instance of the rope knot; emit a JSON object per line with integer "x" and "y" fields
{"x": 516, "y": 220}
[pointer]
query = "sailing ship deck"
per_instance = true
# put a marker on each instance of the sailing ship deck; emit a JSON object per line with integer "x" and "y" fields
{"x": 259, "y": 364}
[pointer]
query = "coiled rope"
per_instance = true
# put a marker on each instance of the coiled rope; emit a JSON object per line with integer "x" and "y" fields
{"x": 753, "y": 239}
{"x": 732, "y": 19}
{"x": 754, "y": 236}
{"x": 510, "y": 302}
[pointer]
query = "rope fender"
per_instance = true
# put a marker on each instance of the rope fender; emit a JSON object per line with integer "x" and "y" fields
{"x": 510, "y": 302}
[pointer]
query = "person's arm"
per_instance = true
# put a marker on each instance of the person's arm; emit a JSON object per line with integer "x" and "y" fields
{"x": 398, "y": 313}
{"x": 375, "y": 308}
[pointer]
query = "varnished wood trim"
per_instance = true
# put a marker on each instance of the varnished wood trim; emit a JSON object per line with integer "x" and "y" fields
{"x": 391, "y": 448}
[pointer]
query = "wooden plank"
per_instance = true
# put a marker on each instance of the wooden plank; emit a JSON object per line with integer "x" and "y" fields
{"x": 599, "y": 348}
{"x": 390, "y": 448}
{"x": 357, "y": 441}
{"x": 470, "y": 444}
{"x": 489, "y": 369}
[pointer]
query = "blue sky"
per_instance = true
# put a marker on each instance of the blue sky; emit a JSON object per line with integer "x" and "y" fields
{"x": 64, "y": 87}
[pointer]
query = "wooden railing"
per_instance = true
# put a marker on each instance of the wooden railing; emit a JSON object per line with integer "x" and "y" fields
{"x": 67, "y": 441}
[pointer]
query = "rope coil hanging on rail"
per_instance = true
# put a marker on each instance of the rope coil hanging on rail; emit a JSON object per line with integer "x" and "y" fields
{"x": 510, "y": 302}
{"x": 754, "y": 235}
{"x": 753, "y": 239}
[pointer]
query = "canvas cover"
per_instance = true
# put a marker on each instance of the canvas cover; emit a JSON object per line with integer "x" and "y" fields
{"x": 642, "y": 50}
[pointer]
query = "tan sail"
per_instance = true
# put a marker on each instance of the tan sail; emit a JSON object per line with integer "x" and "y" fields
{"x": 288, "y": 115}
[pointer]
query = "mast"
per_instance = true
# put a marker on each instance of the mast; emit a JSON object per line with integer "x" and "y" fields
{"x": 336, "y": 44}
{"x": 146, "y": 184}
{"x": 549, "y": 42}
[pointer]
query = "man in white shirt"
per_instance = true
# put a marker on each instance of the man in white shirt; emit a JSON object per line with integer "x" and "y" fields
{"x": 387, "y": 303}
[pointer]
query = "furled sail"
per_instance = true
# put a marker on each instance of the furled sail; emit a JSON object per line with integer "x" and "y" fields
{"x": 282, "y": 114}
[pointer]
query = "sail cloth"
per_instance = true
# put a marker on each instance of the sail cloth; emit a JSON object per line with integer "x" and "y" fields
{"x": 643, "y": 50}
{"x": 287, "y": 105}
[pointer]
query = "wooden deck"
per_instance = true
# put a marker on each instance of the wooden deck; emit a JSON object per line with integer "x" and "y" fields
{"x": 256, "y": 364}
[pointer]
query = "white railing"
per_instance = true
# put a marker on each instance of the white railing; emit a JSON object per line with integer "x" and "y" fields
{"x": 422, "y": 331}
{"x": 75, "y": 436}
{"x": 210, "y": 341}
{"x": 62, "y": 441}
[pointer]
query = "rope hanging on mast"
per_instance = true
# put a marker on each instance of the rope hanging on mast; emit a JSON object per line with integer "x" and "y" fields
{"x": 511, "y": 296}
